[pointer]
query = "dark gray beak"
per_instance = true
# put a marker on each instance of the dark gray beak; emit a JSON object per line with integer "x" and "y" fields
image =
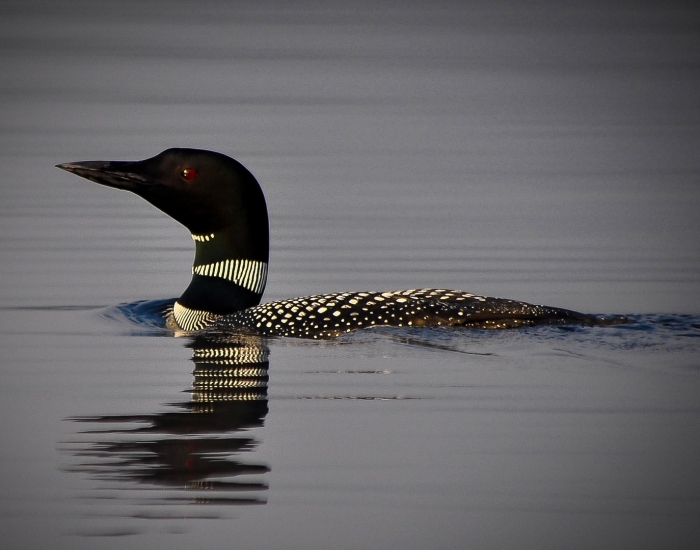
{"x": 119, "y": 174}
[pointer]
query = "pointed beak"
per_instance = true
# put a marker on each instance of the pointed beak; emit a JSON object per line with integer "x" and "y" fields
{"x": 119, "y": 174}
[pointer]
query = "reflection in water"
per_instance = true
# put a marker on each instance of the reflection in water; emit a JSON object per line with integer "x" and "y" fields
{"x": 199, "y": 446}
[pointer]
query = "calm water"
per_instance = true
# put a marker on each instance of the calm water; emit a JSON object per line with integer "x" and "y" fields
{"x": 543, "y": 154}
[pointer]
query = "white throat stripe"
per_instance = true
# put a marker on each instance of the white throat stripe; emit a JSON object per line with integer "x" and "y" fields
{"x": 203, "y": 238}
{"x": 249, "y": 274}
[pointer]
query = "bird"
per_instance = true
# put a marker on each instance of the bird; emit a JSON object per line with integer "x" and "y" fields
{"x": 223, "y": 206}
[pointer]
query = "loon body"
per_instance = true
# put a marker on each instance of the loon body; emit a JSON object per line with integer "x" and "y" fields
{"x": 222, "y": 205}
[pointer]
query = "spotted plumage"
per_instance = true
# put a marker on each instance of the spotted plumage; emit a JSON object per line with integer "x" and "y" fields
{"x": 329, "y": 315}
{"x": 223, "y": 206}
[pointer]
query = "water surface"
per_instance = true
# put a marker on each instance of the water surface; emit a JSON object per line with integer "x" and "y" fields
{"x": 544, "y": 154}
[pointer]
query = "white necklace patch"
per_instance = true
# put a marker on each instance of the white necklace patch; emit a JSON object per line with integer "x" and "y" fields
{"x": 203, "y": 238}
{"x": 192, "y": 319}
{"x": 249, "y": 274}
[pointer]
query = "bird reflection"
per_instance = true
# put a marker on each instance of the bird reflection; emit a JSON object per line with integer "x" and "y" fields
{"x": 203, "y": 445}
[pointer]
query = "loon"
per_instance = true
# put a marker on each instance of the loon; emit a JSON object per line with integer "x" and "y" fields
{"x": 222, "y": 205}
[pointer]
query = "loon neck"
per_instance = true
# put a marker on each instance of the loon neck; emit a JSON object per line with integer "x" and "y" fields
{"x": 224, "y": 278}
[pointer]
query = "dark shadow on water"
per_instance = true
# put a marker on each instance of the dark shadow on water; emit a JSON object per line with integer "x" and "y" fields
{"x": 142, "y": 317}
{"x": 199, "y": 451}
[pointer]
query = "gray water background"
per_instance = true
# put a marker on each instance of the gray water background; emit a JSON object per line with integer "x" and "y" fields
{"x": 544, "y": 152}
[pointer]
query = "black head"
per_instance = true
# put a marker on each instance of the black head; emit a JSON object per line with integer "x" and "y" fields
{"x": 207, "y": 192}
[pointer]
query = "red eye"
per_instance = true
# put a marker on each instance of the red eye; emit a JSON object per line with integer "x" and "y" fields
{"x": 189, "y": 174}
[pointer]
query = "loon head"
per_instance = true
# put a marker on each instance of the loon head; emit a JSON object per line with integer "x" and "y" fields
{"x": 222, "y": 205}
{"x": 207, "y": 192}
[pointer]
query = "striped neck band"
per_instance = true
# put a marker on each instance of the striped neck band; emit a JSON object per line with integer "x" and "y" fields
{"x": 203, "y": 238}
{"x": 192, "y": 320}
{"x": 250, "y": 274}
